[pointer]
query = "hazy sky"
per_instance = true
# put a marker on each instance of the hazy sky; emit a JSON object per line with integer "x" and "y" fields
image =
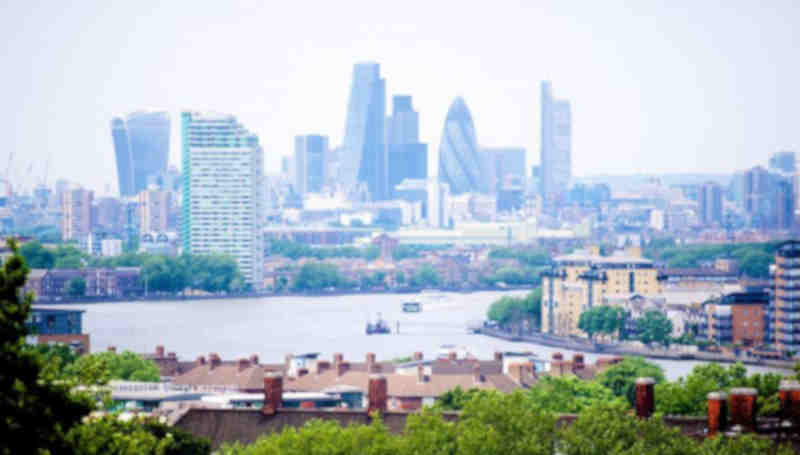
{"x": 669, "y": 86}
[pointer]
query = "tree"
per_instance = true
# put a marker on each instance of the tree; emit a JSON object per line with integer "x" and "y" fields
{"x": 508, "y": 310}
{"x": 76, "y": 287}
{"x": 426, "y": 276}
{"x": 602, "y": 319}
{"x": 654, "y": 327}
{"x": 569, "y": 394}
{"x": 621, "y": 378}
{"x": 317, "y": 276}
{"x": 37, "y": 256}
{"x": 113, "y": 436}
{"x": 37, "y": 410}
{"x": 456, "y": 399}
{"x": 109, "y": 365}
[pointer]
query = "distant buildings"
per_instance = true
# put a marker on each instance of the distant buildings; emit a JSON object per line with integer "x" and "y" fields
{"x": 783, "y": 161}
{"x": 506, "y": 162}
{"x": 407, "y": 157}
{"x": 556, "y": 144}
{"x": 76, "y": 214}
{"x": 460, "y": 161}
{"x": 311, "y": 163}
{"x": 364, "y": 151}
{"x": 222, "y": 197}
{"x": 154, "y": 210}
{"x": 141, "y": 146}
{"x": 709, "y": 201}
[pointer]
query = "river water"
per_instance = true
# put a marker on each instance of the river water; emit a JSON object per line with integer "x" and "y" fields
{"x": 274, "y": 326}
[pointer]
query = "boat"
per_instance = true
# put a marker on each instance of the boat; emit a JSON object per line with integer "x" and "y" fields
{"x": 379, "y": 327}
{"x": 412, "y": 307}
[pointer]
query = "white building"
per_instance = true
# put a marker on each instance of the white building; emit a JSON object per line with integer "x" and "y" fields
{"x": 111, "y": 247}
{"x": 223, "y": 204}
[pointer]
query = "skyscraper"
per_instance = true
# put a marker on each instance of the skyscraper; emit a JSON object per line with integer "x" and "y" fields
{"x": 460, "y": 160}
{"x": 223, "y": 212}
{"x": 783, "y": 161}
{"x": 311, "y": 160}
{"x": 556, "y": 144}
{"x": 141, "y": 146}
{"x": 503, "y": 163}
{"x": 709, "y": 200}
{"x": 408, "y": 158}
{"x": 364, "y": 149}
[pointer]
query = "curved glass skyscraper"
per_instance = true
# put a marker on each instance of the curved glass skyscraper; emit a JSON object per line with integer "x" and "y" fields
{"x": 141, "y": 146}
{"x": 459, "y": 156}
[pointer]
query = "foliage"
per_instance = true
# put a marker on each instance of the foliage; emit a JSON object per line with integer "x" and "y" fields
{"x": 531, "y": 258}
{"x": 114, "y": 436}
{"x": 62, "y": 257}
{"x": 105, "y": 366}
{"x": 404, "y": 251}
{"x": 754, "y": 258}
{"x": 621, "y": 378}
{"x": 654, "y": 327}
{"x": 514, "y": 276}
{"x": 37, "y": 410}
{"x": 456, "y": 399}
{"x": 296, "y": 250}
{"x": 569, "y": 394}
{"x": 76, "y": 287}
{"x": 602, "y": 319}
{"x": 513, "y": 309}
{"x": 425, "y": 276}
{"x": 316, "y": 276}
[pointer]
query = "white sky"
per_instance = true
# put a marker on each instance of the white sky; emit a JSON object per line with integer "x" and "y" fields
{"x": 670, "y": 86}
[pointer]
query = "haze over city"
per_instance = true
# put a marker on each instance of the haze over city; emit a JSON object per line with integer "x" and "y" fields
{"x": 655, "y": 87}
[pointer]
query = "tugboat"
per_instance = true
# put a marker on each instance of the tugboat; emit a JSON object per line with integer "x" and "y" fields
{"x": 380, "y": 327}
{"x": 412, "y": 307}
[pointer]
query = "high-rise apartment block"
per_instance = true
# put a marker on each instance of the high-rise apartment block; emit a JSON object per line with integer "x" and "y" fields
{"x": 556, "y": 144}
{"x": 407, "y": 157}
{"x": 154, "y": 207}
{"x": 364, "y": 159}
{"x": 76, "y": 214}
{"x": 223, "y": 209}
{"x": 784, "y": 313}
{"x": 709, "y": 201}
{"x": 311, "y": 163}
{"x": 141, "y": 146}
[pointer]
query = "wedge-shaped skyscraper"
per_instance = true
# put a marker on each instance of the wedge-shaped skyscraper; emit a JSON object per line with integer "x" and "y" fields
{"x": 460, "y": 160}
{"x": 141, "y": 146}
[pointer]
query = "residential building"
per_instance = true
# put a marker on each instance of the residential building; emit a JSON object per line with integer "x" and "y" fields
{"x": 784, "y": 315}
{"x": 460, "y": 162}
{"x": 76, "y": 214}
{"x": 154, "y": 206}
{"x": 738, "y": 318}
{"x": 407, "y": 157}
{"x": 100, "y": 282}
{"x": 111, "y": 247}
{"x": 223, "y": 209}
{"x": 48, "y": 326}
{"x": 141, "y": 146}
{"x": 363, "y": 159}
{"x": 579, "y": 281}
{"x": 311, "y": 163}
{"x": 709, "y": 202}
{"x": 556, "y": 144}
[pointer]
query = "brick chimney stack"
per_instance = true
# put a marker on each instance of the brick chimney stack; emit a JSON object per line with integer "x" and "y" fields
{"x": 302, "y": 372}
{"x": 378, "y": 394}
{"x": 214, "y": 360}
{"x": 254, "y": 359}
{"x": 645, "y": 397}
{"x": 172, "y": 356}
{"x": 337, "y": 359}
{"x": 577, "y": 361}
{"x": 112, "y": 349}
{"x": 273, "y": 393}
{"x": 476, "y": 373}
{"x": 742, "y": 408}
{"x": 717, "y": 413}
{"x": 201, "y": 360}
{"x": 420, "y": 374}
{"x": 557, "y": 356}
{"x": 160, "y": 351}
{"x": 498, "y": 356}
{"x": 370, "y": 361}
{"x": 341, "y": 368}
{"x": 323, "y": 366}
{"x": 789, "y": 395}
{"x": 242, "y": 364}
{"x": 452, "y": 356}
{"x": 418, "y": 356}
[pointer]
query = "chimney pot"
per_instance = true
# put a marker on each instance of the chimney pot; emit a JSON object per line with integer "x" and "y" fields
{"x": 717, "y": 413}
{"x": 302, "y": 372}
{"x": 789, "y": 395}
{"x": 418, "y": 356}
{"x": 337, "y": 358}
{"x": 201, "y": 360}
{"x": 742, "y": 407}
{"x": 577, "y": 361}
{"x": 498, "y": 356}
{"x": 172, "y": 356}
{"x": 558, "y": 356}
{"x": 112, "y": 349}
{"x": 452, "y": 356}
{"x": 476, "y": 373}
{"x": 214, "y": 360}
{"x": 370, "y": 358}
{"x": 242, "y": 365}
{"x": 420, "y": 373}
{"x": 322, "y": 366}
{"x": 341, "y": 368}
{"x": 273, "y": 393}
{"x": 254, "y": 359}
{"x": 159, "y": 351}
{"x": 645, "y": 403}
{"x": 378, "y": 394}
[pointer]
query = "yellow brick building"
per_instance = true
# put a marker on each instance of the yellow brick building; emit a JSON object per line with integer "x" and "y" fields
{"x": 579, "y": 281}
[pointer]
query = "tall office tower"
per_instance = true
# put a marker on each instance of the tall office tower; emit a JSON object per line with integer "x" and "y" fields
{"x": 783, "y": 313}
{"x": 311, "y": 160}
{"x": 364, "y": 150}
{"x": 784, "y": 204}
{"x": 408, "y": 158}
{"x": 460, "y": 160}
{"x": 223, "y": 166}
{"x": 783, "y": 161}
{"x": 503, "y": 163}
{"x": 556, "y": 144}
{"x": 709, "y": 200}
{"x": 141, "y": 145}
{"x": 76, "y": 214}
{"x": 760, "y": 188}
{"x": 154, "y": 210}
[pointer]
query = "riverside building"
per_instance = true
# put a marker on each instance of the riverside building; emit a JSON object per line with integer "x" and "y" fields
{"x": 580, "y": 281}
{"x": 223, "y": 208}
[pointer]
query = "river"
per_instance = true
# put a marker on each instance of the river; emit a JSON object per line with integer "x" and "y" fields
{"x": 274, "y": 326}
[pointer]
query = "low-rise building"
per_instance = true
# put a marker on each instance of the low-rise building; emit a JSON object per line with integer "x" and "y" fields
{"x": 48, "y": 326}
{"x": 738, "y": 318}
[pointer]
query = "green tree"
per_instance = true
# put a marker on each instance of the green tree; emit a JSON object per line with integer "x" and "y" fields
{"x": 317, "y": 276}
{"x": 109, "y": 365}
{"x": 569, "y": 394}
{"x": 654, "y": 327}
{"x": 602, "y": 319}
{"x": 426, "y": 276}
{"x": 508, "y": 310}
{"x": 37, "y": 409}
{"x": 110, "y": 435}
{"x": 76, "y": 287}
{"x": 621, "y": 378}
{"x": 456, "y": 399}
{"x": 37, "y": 256}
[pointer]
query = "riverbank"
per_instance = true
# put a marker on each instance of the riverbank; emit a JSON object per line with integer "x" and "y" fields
{"x": 261, "y": 295}
{"x": 575, "y": 344}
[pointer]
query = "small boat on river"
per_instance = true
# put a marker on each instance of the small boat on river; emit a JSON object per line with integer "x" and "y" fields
{"x": 379, "y": 327}
{"x": 412, "y": 307}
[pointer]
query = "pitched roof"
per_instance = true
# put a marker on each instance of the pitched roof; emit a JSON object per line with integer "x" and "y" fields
{"x": 226, "y": 374}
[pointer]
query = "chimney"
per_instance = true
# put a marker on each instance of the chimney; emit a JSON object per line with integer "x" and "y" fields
{"x": 370, "y": 361}
{"x": 322, "y": 366}
{"x": 214, "y": 360}
{"x": 743, "y": 408}
{"x": 498, "y": 356}
{"x": 273, "y": 392}
{"x": 557, "y": 356}
{"x": 172, "y": 356}
{"x": 337, "y": 358}
{"x": 452, "y": 356}
{"x": 420, "y": 374}
{"x": 789, "y": 395}
{"x": 717, "y": 413}
{"x": 341, "y": 368}
{"x": 418, "y": 356}
{"x": 159, "y": 351}
{"x": 201, "y": 360}
{"x": 242, "y": 364}
{"x": 476, "y": 373}
{"x": 577, "y": 361}
{"x": 254, "y": 359}
{"x": 302, "y": 372}
{"x": 378, "y": 394}
{"x": 645, "y": 403}
{"x": 287, "y": 360}
{"x": 112, "y": 349}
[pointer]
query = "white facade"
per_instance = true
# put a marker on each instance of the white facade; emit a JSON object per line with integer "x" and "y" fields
{"x": 223, "y": 211}
{"x": 111, "y": 247}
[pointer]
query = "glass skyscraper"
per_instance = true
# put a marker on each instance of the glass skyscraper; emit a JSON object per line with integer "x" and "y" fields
{"x": 556, "y": 146}
{"x": 223, "y": 203}
{"x": 141, "y": 146}
{"x": 364, "y": 150}
{"x": 460, "y": 160}
{"x": 310, "y": 160}
{"x": 408, "y": 158}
